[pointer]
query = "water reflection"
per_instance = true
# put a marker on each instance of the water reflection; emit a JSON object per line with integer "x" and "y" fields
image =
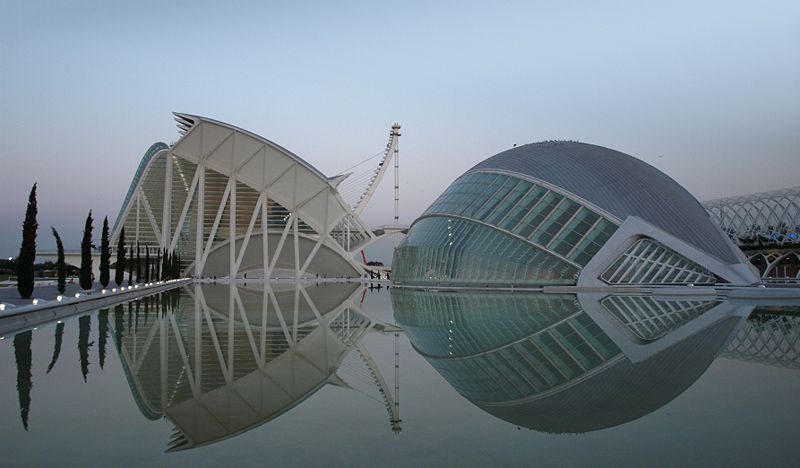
{"x": 221, "y": 359}
{"x": 561, "y": 364}
{"x": 23, "y": 356}
{"x": 771, "y": 336}
{"x": 57, "y": 340}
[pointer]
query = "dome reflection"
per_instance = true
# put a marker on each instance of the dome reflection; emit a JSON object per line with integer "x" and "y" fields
{"x": 562, "y": 363}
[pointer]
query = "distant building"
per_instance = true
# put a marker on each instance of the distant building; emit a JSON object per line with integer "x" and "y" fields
{"x": 566, "y": 213}
{"x": 230, "y": 203}
{"x": 766, "y": 226}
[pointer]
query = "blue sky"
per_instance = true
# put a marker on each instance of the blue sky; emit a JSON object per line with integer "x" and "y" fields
{"x": 708, "y": 92}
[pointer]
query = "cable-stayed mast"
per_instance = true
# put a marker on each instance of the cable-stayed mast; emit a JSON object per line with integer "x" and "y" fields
{"x": 392, "y": 150}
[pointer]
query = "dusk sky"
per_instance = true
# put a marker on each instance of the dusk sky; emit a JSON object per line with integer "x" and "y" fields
{"x": 708, "y": 92}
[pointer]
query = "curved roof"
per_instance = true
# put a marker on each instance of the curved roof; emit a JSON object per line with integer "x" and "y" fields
{"x": 619, "y": 184}
{"x": 154, "y": 149}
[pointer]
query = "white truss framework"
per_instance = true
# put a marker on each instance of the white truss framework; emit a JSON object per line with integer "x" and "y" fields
{"x": 213, "y": 195}
{"x": 767, "y": 218}
{"x": 650, "y": 262}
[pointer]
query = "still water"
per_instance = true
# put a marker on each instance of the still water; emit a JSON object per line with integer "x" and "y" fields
{"x": 339, "y": 375}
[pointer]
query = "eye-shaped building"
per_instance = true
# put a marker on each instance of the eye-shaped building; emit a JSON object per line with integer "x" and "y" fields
{"x": 566, "y": 213}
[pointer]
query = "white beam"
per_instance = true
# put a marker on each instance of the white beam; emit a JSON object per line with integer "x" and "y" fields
{"x": 215, "y": 226}
{"x": 248, "y": 234}
{"x": 185, "y": 210}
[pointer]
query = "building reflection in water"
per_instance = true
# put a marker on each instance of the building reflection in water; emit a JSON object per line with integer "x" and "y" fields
{"x": 218, "y": 360}
{"x": 771, "y": 336}
{"x": 566, "y": 364}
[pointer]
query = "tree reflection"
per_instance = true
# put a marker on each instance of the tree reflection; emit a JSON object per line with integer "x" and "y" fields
{"x": 102, "y": 318}
{"x": 118, "y": 326}
{"x": 59, "y": 337}
{"x": 84, "y": 330}
{"x": 23, "y": 355}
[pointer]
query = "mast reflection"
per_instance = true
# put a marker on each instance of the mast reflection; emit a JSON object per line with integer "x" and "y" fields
{"x": 219, "y": 360}
{"x": 566, "y": 364}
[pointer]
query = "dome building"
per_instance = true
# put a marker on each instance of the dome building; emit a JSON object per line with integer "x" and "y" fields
{"x": 567, "y": 213}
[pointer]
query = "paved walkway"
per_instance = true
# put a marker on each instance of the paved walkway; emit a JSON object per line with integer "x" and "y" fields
{"x": 47, "y": 291}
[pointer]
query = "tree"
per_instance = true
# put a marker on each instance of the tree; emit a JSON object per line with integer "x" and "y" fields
{"x": 130, "y": 267}
{"x": 27, "y": 251}
{"x": 164, "y": 265}
{"x": 86, "y": 254}
{"x": 158, "y": 267}
{"x": 105, "y": 255}
{"x": 138, "y": 262}
{"x": 61, "y": 268}
{"x": 119, "y": 273}
{"x": 147, "y": 275}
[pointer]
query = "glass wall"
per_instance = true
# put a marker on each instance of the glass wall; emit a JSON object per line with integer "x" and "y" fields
{"x": 537, "y": 236}
{"x": 456, "y": 251}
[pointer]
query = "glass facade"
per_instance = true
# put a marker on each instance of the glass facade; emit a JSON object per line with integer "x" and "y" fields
{"x": 495, "y": 228}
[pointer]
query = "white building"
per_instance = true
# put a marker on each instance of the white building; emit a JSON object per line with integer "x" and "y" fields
{"x": 231, "y": 203}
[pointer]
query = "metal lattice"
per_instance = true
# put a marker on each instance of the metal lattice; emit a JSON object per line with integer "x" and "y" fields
{"x": 766, "y": 218}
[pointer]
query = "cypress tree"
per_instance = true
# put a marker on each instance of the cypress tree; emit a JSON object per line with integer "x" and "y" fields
{"x": 61, "y": 268}
{"x": 130, "y": 266}
{"x": 164, "y": 265}
{"x": 105, "y": 255}
{"x": 138, "y": 262}
{"x": 27, "y": 251}
{"x": 86, "y": 254}
{"x": 147, "y": 275}
{"x": 119, "y": 273}
{"x": 157, "y": 276}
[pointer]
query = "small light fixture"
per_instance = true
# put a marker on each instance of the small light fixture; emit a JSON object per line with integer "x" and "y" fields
{"x": 113, "y": 290}
{"x": 59, "y": 297}
{"x": 77, "y": 295}
{"x": 103, "y": 291}
{"x": 2, "y": 307}
{"x": 35, "y": 301}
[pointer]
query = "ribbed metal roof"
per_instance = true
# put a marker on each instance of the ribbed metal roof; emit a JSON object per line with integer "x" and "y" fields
{"x": 618, "y": 183}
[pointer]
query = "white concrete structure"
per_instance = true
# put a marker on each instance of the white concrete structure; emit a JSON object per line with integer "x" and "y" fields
{"x": 231, "y": 203}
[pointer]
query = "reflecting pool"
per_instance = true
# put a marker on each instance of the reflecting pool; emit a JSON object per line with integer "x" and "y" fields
{"x": 301, "y": 375}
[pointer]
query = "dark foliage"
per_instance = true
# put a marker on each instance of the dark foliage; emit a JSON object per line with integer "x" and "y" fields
{"x": 119, "y": 273}
{"x": 27, "y": 251}
{"x": 59, "y": 338}
{"x": 24, "y": 356}
{"x": 61, "y": 268}
{"x": 105, "y": 255}
{"x": 86, "y": 254}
